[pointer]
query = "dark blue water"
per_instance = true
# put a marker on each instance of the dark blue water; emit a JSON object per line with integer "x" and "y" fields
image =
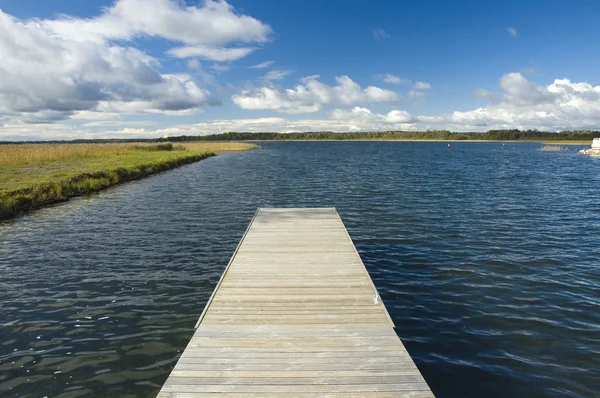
{"x": 486, "y": 255}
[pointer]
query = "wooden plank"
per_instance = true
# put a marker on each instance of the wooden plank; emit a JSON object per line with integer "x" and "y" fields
{"x": 311, "y": 368}
{"x": 295, "y": 314}
{"x": 276, "y": 291}
{"x": 306, "y": 356}
{"x": 193, "y": 378}
{"x": 266, "y": 344}
{"x": 290, "y": 359}
{"x": 284, "y": 389}
{"x": 289, "y": 373}
{"x": 292, "y": 310}
{"x": 397, "y": 394}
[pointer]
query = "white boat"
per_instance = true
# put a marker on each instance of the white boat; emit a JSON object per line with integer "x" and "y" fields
{"x": 594, "y": 150}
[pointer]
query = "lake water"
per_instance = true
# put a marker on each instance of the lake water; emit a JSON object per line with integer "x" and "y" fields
{"x": 487, "y": 256}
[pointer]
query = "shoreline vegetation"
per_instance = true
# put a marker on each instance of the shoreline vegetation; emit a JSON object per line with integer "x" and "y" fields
{"x": 37, "y": 175}
{"x": 576, "y": 137}
{"x": 567, "y": 137}
{"x": 33, "y": 175}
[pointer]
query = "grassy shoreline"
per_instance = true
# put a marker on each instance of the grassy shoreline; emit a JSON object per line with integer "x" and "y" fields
{"x": 37, "y": 175}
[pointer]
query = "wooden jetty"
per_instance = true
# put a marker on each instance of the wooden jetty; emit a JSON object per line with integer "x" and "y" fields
{"x": 295, "y": 314}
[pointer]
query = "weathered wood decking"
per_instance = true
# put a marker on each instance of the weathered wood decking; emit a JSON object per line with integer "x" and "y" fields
{"x": 295, "y": 315}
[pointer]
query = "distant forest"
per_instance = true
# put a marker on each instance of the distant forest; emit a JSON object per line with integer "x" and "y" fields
{"x": 492, "y": 135}
{"x": 441, "y": 135}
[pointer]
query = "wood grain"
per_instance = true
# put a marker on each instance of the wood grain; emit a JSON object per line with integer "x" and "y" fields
{"x": 295, "y": 314}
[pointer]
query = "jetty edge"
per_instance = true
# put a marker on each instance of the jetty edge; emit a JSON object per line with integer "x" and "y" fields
{"x": 295, "y": 314}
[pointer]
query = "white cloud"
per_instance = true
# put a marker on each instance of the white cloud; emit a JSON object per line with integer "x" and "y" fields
{"x": 380, "y": 34}
{"x": 46, "y": 77}
{"x": 376, "y": 94}
{"x": 422, "y": 86}
{"x": 213, "y": 24}
{"x": 262, "y": 65}
{"x": 356, "y": 119}
{"x": 309, "y": 78}
{"x": 219, "y": 54}
{"x": 512, "y": 31}
{"x": 311, "y": 95}
{"x": 368, "y": 119}
{"x": 276, "y": 74}
{"x": 93, "y": 115}
{"x": 561, "y": 105}
{"x": 220, "y": 67}
{"x": 397, "y": 116}
{"x": 522, "y": 104}
{"x": 208, "y": 78}
{"x": 118, "y": 123}
{"x": 520, "y": 91}
{"x": 414, "y": 94}
{"x": 194, "y": 64}
{"x": 396, "y": 80}
{"x": 288, "y": 101}
{"x": 52, "y": 69}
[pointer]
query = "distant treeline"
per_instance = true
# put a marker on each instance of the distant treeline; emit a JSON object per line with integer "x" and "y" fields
{"x": 491, "y": 135}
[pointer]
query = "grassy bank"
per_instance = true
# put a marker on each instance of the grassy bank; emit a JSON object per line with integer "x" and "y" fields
{"x": 35, "y": 175}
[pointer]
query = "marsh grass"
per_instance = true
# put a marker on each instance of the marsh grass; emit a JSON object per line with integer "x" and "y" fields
{"x": 35, "y": 175}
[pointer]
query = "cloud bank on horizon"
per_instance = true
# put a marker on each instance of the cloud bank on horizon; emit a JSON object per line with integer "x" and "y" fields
{"x": 144, "y": 68}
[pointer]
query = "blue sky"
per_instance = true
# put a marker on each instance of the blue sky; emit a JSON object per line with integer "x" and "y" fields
{"x": 164, "y": 67}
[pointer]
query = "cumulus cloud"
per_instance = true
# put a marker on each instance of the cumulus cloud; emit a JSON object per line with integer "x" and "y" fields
{"x": 380, "y": 34}
{"x": 525, "y": 105}
{"x": 392, "y": 79}
{"x": 561, "y": 105}
{"x": 366, "y": 118}
{"x": 376, "y": 94}
{"x": 512, "y": 31}
{"x": 311, "y": 95}
{"x": 356, "y": 119}
{"x": 519, "y": 103}
{"x": 213, "y": 24}
{"x": 519, "y": 91}
{"x": 52, "y": 69}
{"x": 422, "y": 86}
{"x": 45, "y": 77}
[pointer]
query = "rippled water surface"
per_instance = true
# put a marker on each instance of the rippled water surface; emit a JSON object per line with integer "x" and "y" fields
{"x": 486, "y": 255}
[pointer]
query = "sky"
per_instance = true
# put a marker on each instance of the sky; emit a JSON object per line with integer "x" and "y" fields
{"x": 153, "y": 68}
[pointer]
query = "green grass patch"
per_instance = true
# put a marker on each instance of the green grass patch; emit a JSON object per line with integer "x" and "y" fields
{"x": 36, "y": 175}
